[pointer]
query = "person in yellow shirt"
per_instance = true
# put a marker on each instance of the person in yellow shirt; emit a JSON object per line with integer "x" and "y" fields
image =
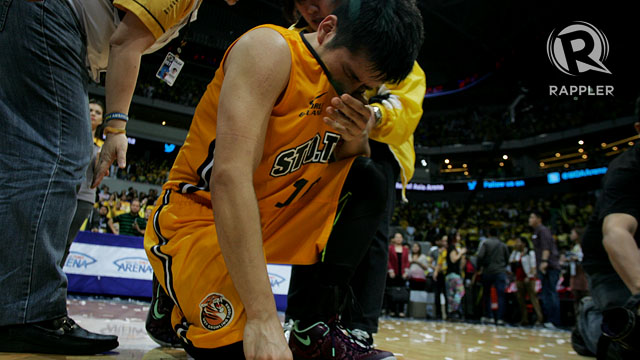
{"x": 397, "y": 108}
{"x": 268, "y": 155}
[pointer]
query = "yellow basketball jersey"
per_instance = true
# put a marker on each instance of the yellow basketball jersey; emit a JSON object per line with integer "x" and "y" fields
{"x": 296, "y": 183}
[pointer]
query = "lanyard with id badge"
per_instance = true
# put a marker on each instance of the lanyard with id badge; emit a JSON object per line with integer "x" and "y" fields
{"x": 172, "y": 64}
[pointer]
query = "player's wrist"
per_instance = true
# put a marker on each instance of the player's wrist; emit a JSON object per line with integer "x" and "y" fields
{"x": 114, "y": 131}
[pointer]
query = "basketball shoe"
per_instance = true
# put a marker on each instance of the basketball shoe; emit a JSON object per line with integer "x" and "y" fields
{"x": 158, "y": 322}
{"x": 331, "y": 340}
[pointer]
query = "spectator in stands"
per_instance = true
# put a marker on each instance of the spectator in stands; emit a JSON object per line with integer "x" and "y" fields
{"x": 125, "y": 201}
{"x": 440, "y": 258}
{"x": 578, "y": 280}
{"x": 397, "y": 275}
{"x": 104, "y": 193}
{"x": 547, "y": 258}
{"x": 127, "y": 220}
{"x": 105, "y": 225}
{"x": 418, "y": 268}
{"x": 115, "y": 206}
{"x": 454, "y": 285}
{"x": 523, "y": 266}
{"x": 140, "y": 224}
{"x": 493, "y": 257}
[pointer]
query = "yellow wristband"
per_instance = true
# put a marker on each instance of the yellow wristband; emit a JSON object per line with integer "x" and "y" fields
{"x": 111, "y": 130}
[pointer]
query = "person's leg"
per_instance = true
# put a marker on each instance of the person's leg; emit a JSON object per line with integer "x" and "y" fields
{"x": 316, "y": 303}
{"x": 83, "y": 209}
{"x": 319, "y": 290}
{"x": 530, "y": 287}
{"x": 487, "y": 283}
{"x": 455, "y": 291}
{"x": 448, "y": 294}
{"x": 545, "y": 296}
{"x": 460, "y": 292}
{"x": 368, "y": 282}
{"x": 438, "y": 292}
{"x": 206, "y": 310}
{"x": 46, "y": 145}
{"x": 501, "y": 285}
{"x": 553, "y": 297}
{"x": 443, "y": 290}
{"x": 524, "y": 318}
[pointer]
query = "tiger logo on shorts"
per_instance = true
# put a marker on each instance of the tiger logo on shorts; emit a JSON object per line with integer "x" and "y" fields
{"x": 215, "y": 311}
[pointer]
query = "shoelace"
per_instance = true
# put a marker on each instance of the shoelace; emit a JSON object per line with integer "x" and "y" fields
{"x": 360, "y": 335}
{"x": 287, "y": 327}
{"x": 338, "y": 330}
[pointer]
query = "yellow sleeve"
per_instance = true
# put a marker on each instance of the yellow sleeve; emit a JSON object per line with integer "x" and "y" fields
{"x": 399, "y": 120}
{"x": 157, "y": 15}
{"x": 442, "y": 257}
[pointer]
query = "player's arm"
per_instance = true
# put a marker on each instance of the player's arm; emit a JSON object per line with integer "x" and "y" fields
{"x": 256, "y": 73}
{"x": 401, "y": 108}
{"x": 618, "y": 230}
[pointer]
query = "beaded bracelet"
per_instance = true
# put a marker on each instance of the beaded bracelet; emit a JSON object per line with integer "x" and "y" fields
{"x": 116, "y": 116}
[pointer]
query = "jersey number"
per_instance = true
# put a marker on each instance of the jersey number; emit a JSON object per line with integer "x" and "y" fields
{"x": 298, "y": 185}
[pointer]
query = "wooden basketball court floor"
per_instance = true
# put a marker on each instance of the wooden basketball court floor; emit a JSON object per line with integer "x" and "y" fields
{"x": 408, "y": 339}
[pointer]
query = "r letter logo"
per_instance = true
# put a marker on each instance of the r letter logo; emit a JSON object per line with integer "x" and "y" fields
{"x": 578, "y": 48}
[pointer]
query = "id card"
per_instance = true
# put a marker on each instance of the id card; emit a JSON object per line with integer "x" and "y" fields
{"x": 170, "y": 69}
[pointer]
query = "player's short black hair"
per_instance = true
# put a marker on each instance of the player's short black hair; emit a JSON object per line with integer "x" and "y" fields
{"x": 389, "y": 32}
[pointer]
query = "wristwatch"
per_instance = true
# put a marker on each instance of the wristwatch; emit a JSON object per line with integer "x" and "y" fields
{"x": 377, "y": 113}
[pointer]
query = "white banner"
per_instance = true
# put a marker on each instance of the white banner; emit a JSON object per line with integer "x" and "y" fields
{"x": 279, "y": 275}
{"x": 112, "y": 261}
{"x": 132, "y": 263}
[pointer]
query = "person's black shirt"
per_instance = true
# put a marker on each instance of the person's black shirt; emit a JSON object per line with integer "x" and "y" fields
{"x": 453, "y": 267}
{"x": 620, "y": 194}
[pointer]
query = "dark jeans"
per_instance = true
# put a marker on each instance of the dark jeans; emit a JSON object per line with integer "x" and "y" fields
{"x": 498, "y": 280}
{"x": 550, "y": 298}
{"x": 440, "y": 288}
{"x": 46, "y": 146}
{"x": 82, "y": 213}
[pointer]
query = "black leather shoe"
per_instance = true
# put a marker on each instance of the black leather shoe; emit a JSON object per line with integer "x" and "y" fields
{"x": 60, "y": 336}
